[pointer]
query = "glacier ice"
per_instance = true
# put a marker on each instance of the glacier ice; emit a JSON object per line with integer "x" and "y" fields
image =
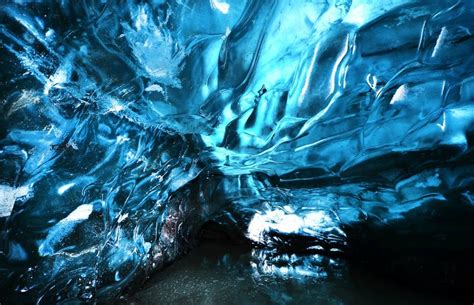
{"x": 335, "y": 127}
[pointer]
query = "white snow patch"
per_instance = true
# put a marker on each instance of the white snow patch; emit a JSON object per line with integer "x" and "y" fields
{"x": 154, "y": 87}
{"x": 8, "y": 196}
{"x": 221, "y": 6}
{"x": 279, "y": 221}
{"x": 64, "y": 188}
{"x": 400, "y": 94}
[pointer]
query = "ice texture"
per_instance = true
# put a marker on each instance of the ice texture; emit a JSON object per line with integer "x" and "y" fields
{"x": 336, "y": 127}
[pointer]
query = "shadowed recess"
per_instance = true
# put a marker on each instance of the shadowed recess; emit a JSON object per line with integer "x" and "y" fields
{"x": 315, "y": 130}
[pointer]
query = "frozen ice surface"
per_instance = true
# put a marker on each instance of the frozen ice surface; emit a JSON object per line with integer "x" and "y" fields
{"x": 337, "y": 127}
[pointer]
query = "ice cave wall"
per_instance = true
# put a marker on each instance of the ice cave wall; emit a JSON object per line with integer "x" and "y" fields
{"x": 341, "y": 127}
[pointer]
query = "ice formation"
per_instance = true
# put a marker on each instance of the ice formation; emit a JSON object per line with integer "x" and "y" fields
{"x": 337, "y": 127}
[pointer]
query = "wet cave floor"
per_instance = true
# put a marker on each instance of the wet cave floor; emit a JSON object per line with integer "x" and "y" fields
{"x": 221, "y": 273}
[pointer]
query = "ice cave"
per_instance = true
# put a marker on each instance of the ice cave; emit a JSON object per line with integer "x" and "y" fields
{"x": 236, "y": 152}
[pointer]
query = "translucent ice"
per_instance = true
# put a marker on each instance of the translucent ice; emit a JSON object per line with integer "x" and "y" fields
{"x": 333, "y": 127}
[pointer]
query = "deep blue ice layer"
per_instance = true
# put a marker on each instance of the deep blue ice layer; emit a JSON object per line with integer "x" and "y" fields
{"x": 338, "y": 127}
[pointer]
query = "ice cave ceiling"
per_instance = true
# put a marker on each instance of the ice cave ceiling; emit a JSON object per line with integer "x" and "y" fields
{"x": 337, "y": 127}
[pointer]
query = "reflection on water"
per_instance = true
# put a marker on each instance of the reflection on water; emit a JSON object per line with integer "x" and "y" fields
{"x": 215, "y": 273}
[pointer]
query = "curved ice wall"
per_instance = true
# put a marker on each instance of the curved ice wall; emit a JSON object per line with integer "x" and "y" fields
{"x": 339, "y": 127}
